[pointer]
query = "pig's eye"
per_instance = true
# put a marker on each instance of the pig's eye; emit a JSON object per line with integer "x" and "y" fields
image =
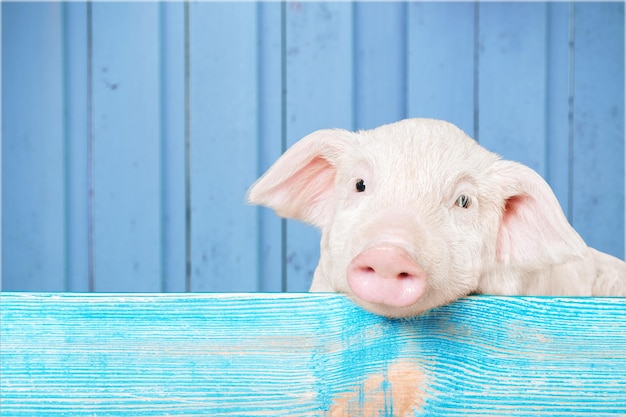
{"x": 360, "y": 185}
{"x": 463, "y": 201}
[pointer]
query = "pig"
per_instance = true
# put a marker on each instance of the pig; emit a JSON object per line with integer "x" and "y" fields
{"x": 416, "y": 214}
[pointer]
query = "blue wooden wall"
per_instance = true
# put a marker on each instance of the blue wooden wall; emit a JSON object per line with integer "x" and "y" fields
{"x": 131, "y": 131}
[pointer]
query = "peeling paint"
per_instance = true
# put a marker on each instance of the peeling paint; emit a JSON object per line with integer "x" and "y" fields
{"x": 399, "y": 393}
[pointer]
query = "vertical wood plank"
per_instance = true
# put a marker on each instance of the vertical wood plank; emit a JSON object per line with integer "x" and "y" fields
{"x": 559, "y": 79}
{"x": 271, "y": 135}
{"x": 319, "y": 81}
{"x": 172, "y": 116}
{"x": 1, "y": 155}
{"x": 598, "y": 170}
{"x": 512, "y": 81}
{"x": 380, "y": 63}
{"x": 224, "y": 124}
{"x": 33, "y": 191}
{"x": 77, "y": 164}
{"x": 127, "y": 146}
{"x": 441, "y": 62}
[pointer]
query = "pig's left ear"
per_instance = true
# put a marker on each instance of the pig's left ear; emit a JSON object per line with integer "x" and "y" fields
{"x": 300, "y": 183}
{"x": 533, "y": 231}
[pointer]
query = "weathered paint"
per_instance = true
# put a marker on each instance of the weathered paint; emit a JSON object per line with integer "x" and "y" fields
{"x": 132, "y": 130}
{"x": 308, "y": 354}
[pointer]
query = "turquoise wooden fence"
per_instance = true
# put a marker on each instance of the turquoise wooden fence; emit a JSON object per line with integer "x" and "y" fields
{"x": 308, "y": 355}
{"x": 131, "y": 131}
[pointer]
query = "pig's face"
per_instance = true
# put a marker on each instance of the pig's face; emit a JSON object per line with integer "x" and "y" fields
{"x": 409, "y": 219}
{"x": 413, "y": 215}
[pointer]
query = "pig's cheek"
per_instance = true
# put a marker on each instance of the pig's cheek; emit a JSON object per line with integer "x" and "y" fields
{"x": 472, "y": 230}
{"x": 444, "y": 256}
{"x": 464, "y": 267}
{"x": 324, "y": 273}
{"x": 336, "y": 253}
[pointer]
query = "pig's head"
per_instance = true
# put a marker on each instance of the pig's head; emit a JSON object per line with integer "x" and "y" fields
{"x": 416, "y": 214}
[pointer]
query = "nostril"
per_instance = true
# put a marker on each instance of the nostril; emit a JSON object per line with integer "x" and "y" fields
{"x": 372, "y": 271}
{"x": 367, "y": 270}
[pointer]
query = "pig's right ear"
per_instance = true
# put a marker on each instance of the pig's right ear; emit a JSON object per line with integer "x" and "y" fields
{"x": 300, "y": 183}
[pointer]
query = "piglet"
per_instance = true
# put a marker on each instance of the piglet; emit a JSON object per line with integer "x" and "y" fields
{"x": 416, "y": 214}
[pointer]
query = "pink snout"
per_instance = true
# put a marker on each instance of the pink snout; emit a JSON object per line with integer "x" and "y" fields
{"x": 386, "y": 274}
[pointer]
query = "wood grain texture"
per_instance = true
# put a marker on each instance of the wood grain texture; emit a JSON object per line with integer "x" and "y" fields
{"x": 304, "y": 354}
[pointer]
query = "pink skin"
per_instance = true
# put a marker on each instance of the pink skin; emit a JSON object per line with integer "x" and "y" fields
{"x": 386, "y": 274}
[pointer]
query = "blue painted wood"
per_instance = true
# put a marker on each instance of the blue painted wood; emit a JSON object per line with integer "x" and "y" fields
{"x": 127, "y": 147}
{"x": 77, "y": 136}
{"x": 319, "y": 95}
{"x": 560, "y": 76}
{"x": 441, "y": 64}
{"x": 545, "y": 89}
{"x": 380, "y": 63}
{"x": 1, "y": 170}
{"x": 224, "y": 122}
{"x": 271, "y": 140}
{"x": 305, "y": 354}
{"x": 598, "y": 123}
{"x": 512, "y": 76}
{"x": 33, "y": 146}
{"x": 173, "y": 113}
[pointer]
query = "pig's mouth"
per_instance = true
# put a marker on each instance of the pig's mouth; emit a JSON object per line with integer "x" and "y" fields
{"x": 387, "y": 276}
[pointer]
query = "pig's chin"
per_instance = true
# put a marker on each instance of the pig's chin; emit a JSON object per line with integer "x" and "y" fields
{"x": 427, "y": 301}
{"x": 392, "y": 311}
